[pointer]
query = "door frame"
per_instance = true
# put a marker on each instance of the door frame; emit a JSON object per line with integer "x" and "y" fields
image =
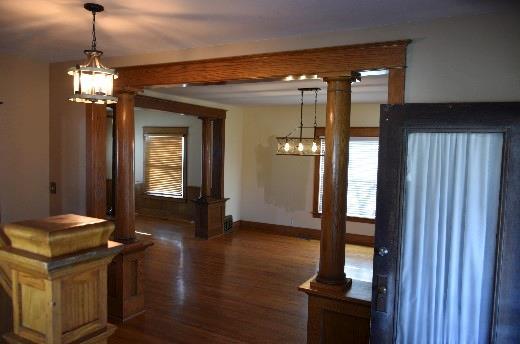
{"x": 397, "y": 121}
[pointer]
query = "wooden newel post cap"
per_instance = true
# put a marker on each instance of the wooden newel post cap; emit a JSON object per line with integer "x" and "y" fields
{"x": 59, "y": 235}
{"x": 56, "y": 271}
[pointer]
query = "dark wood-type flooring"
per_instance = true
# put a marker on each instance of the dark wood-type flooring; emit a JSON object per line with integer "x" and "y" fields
{"x": 237, "y": 288}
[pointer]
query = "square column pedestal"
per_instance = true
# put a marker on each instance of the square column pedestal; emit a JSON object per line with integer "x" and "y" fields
{"x": 58, "y": 269}
{"x": 337, "y": 315}
{"x": 209, "y": 217}
{"x": 126, "y": 282}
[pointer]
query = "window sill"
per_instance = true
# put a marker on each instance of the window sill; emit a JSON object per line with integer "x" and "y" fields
{"x": 350, "y": 218}
{"x": 164, "y": 198}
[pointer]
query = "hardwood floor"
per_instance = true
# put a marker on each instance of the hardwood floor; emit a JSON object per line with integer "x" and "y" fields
{"x": 237, "y": 288}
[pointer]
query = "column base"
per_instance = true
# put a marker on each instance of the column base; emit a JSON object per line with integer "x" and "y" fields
{"x": 337, "y": 314}
{"x": 209, "y": 217}
{"x": 126, "y": 282}
{"x": 340, "y": 287}
{"x": 97, "y": 338}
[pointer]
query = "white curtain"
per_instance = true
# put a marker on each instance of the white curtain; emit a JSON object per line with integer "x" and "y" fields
{"x": 448, "y": 252}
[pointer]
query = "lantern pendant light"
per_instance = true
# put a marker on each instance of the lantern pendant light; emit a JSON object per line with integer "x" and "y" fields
{"x": 299, "y": 145}
{"x": 93, "y": 82}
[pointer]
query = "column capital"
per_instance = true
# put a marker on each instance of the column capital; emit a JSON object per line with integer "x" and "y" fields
{"x": 127, "y": 90}
{"x": 345, "y": 76}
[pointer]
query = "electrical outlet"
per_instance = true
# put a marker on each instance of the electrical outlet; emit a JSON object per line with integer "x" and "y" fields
{"x": 52, "y": 187}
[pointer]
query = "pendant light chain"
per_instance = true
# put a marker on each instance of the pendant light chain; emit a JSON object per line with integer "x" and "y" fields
{"x": 315, "y": 102}
{"x": 298, "y": 144}
{"x": 301, "y": 117}
{"x": 94, "y": 41}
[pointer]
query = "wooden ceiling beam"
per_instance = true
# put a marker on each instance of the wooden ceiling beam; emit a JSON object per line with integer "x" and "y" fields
{"x": 338, "y": 59}
{"x": 147, "y": 102}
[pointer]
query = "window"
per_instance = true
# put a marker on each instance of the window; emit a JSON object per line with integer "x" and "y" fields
{"x": 165, "y": 161}
{"x": 362, "y": 174}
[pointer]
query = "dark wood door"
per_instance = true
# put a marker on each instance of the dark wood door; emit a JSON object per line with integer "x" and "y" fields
{"x": 398, "y": 122}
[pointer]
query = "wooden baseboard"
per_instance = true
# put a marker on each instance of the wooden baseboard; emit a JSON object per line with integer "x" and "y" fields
{"x": 301, "y": 232}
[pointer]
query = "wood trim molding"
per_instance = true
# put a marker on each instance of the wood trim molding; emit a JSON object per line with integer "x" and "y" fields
{"x": 168, "y": 105}
{"x": 396, "y": 83}
{"x": 330, "y": 60}
{"x": 300, "y": 232}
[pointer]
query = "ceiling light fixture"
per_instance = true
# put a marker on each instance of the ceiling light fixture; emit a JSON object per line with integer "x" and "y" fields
{"x": 93, "y": 82}
{"x": 301, "y": 146}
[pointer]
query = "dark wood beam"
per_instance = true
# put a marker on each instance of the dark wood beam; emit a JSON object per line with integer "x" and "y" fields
{"x": 178, "y": 107}
{"x": 338, "y": 59}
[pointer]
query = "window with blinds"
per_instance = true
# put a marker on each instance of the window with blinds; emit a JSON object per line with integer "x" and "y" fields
{"x": 165, "y": 161}
{"x": 362, "y": 177}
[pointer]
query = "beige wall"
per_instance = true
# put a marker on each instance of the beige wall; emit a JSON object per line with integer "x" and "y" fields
{"x": 279, "y": 189}
{"x": 473, "y": 58}
{"x": 24, "y": 138}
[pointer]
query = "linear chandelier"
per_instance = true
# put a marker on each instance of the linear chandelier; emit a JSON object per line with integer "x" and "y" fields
{"x": 93, "y": 82}
{"x": 299, "y": 145}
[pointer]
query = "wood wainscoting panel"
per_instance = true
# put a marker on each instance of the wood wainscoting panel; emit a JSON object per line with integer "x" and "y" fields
{"x": 80, "y": 310}
{"x": 301, "y": 232}
{"x": 164, "y": 207}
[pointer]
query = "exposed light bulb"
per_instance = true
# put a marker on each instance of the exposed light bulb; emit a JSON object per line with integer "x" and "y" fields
{"x": 314, "y": 147}
{"x": 300, "y": 147}
{"x": 286, "y": 147}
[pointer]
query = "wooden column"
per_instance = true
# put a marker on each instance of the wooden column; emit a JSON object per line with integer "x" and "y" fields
{"x": 126, "y": 276}
{"x": 207, "y": 157}
{"x": 396, "y": 82}
{"x": 211, "y": 206}
{"x": 125, "y": 174}
{"x": 338, "y": 308}
{"x": 332, "y": 244}
{"x": 96, "y": 160}
{"x": 217, "y": 177}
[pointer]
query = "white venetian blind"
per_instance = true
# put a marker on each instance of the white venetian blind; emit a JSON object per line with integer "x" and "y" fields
{"x": 362, "y": 177}
{"x": 164, "y": 170}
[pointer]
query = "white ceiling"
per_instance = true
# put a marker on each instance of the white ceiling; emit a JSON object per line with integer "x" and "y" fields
{"x": 60, "y": 29}
{"x": 371, "y": 89}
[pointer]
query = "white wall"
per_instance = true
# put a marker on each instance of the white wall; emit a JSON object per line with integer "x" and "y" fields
{"x": 279, "y": 189}
{"x": 153, "y": 118}
{"x": 474, "y": 58}
{"x": 24, "y": 138}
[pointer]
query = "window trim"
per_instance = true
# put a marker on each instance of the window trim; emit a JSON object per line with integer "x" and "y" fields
{"x": 354, "y": 132}
{"x": 167, "y": 131}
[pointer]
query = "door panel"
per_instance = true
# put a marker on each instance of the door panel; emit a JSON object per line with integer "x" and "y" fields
{"x": 448, "y": 186}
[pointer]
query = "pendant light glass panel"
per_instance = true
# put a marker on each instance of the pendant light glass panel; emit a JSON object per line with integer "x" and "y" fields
{"x": 93, "y": 82}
